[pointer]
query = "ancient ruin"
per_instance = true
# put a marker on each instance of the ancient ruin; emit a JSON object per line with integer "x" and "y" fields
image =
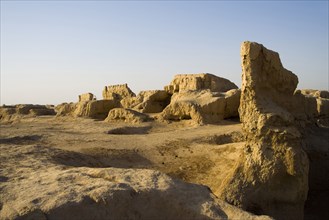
{"x": 203, "y": 106}
{"x": 153, "y": 101}
{"x": 14, "y": 112}
{"x": 201, "y": 81}
{"x": 86, "y": 97}
{"x": 117, "y": 92}
{"x": 273, "y": 156}
{"x": 126, "y": 115}
{"x": 203, "y": 98}
{"x": 202, "y": 148}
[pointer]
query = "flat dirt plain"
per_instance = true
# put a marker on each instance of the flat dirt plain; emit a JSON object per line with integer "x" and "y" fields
{"x": 197, "y": 154}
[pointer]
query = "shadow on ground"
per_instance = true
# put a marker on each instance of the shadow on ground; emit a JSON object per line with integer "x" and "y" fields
{"x": 27, "y": 139}
{"x": 233, "y": 137}
{"x": 101, "y": 157}
{"x": 129, "y": 130}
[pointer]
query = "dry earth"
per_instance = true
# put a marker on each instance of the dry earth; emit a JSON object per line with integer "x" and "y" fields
{"x": 198, "y": 154}
{"x": 183, "y": 150}
{"x": 48, "y": 169}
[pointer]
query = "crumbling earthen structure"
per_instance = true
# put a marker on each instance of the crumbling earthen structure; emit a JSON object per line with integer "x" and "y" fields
{"x": 194, "y": 82}
{"x": 86, "y": 97}
{"x": 202, "y": 106}
{"x": 126, "y": 115}
{"x": 117, "y": 92}
{"x": 152, "y": 101}
{"x": 272, "y": 175}
{"x": 12, "y": 112}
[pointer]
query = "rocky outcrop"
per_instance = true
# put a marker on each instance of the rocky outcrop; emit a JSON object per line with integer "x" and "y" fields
{"x": 313, "y": 114}
{"x": 86, "y": 97}
{"x": 97, "y": 109}
{"x": 193, "y": 82}
{"x": 315, "y": 93}
{"x": 117, "y": 92}
{"x": 40, "y": 182}
{"x": 232, "y": 102}
{"x": 88, "y": 106}
{"x": 202, "y": 107}
{"x": 152, "y": 101}
{"x": 126, "y": 115}
{"x": 13, "y": 112}
{"x": 272, "y": 174}
{"x": 312, "y": 106}
{"x": 65, "y": 109}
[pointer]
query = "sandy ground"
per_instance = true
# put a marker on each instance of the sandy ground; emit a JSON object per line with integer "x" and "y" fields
{"x": 197, "y": 154}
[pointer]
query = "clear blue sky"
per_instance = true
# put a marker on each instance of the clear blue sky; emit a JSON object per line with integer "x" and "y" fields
{"x": 52, "y": 51}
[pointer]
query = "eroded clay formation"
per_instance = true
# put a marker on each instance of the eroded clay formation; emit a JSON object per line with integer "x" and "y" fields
{"x": 117, "y": 92}
{"x": 201, "y": 81}
{"x": 203, "y": 98}
{"x": 272, "y": 174}
{"x": 14, "y": 112}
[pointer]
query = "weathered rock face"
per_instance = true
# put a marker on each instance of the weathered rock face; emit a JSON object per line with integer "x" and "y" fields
{"x": 202, "y": 106}
{"x": 272, "y": 175}
{"x": 200, "y": 81}
{"x": 232, "y": 103}
{"x": 49, "y": 183}
{"x": 315, "y": 93}
{"x": 126, "y": 115}
{"x": 9, "y": 113}
{"x": 312, "y": 106}
{"x": 117, "y": 92}
{"x": 86, "y": 97}
{"x": 65, "y": 109}
{"x": 97, "y": 109}
{"x": 152, "y": 101}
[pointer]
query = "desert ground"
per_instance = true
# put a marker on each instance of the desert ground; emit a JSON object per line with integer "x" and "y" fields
{"x": 182, "y": 149}
{"x": 197, "y": 154}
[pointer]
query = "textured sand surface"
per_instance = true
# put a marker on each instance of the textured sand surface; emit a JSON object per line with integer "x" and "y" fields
{"x": 199, "y": 154}
{"x": 64, "y": 168}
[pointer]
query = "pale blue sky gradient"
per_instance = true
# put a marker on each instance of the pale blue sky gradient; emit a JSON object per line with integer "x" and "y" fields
{"x": 52, "y": 51}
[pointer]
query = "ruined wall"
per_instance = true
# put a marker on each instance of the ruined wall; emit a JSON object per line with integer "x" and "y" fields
{"x": 183, "y": 82}
{"x": 272, "y": 174}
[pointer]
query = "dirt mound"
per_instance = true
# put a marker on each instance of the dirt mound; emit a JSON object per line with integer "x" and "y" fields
{"x": 151, "y": 101}
{"x": 202, "y": 106}
{"x": 16, "y": 112}
{"x": 96, "y": 109}
{"x": 126, "y": 115}
{"x": 129, "y": 130}
{"x": 34, "y": 186}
